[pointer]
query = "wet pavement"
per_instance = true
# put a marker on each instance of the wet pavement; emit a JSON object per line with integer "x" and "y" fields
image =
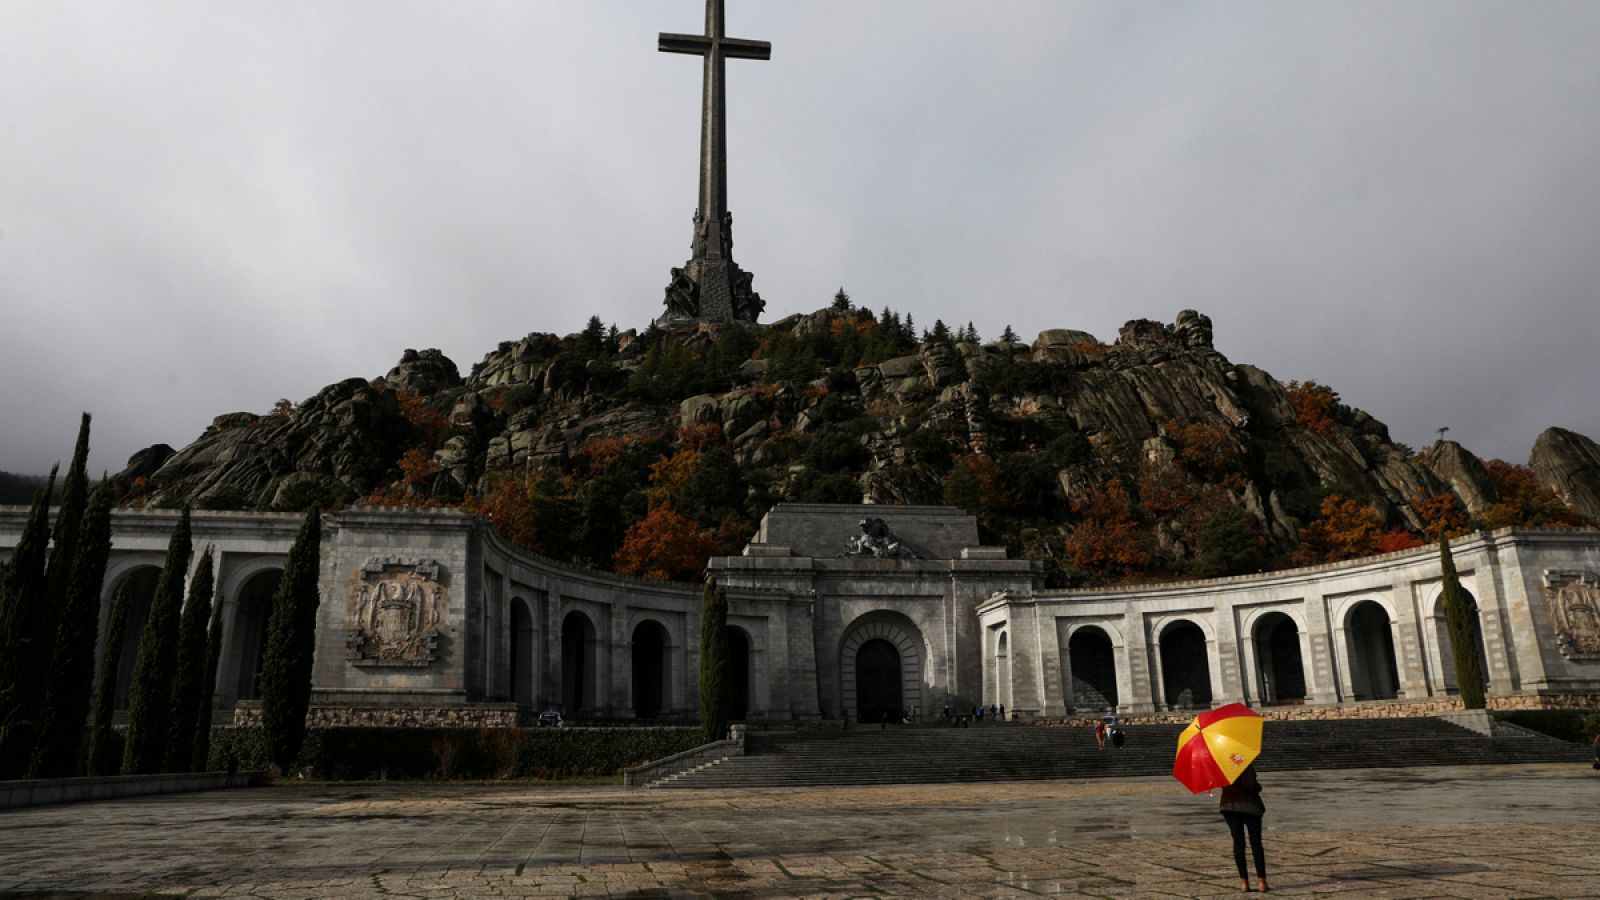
{"x": 1524, "y": 831}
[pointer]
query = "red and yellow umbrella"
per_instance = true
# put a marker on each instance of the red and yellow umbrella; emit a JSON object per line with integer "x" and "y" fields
{"x": 1217, "y": 746}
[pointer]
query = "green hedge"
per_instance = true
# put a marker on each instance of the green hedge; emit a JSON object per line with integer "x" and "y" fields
{"x": 359, "y": 754}
{"x": 1568, "y": 725}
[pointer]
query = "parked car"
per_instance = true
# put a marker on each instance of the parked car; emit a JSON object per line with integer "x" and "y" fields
{"x": 551, "y": 717}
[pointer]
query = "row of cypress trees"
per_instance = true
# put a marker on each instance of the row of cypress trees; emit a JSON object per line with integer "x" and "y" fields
{"x": 49, "y": 626}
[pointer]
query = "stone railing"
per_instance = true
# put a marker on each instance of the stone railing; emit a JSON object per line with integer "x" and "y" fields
{"x": 694, "y": 757}
{"x": 14, "y": 794}
{"x": 1368, "y": 709}
{"x": 486, "y": 715}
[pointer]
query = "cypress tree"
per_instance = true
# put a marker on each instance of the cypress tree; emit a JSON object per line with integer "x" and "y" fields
{"x": 60, "y": 745}
{"x": 291, "y": 644}
{"x": 23, "y": 593}
{"x": 187, "y": 684}
{"x": 1461, "y": 617}
{"x": 716, "y": 688}
{"x": 150, "y": 704}
{"x": 208, "y": 690}
{"x": 69, "y": 523}
{"x": 103, "y": 757}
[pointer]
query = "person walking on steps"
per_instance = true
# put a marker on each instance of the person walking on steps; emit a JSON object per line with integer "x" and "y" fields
{"x": 1100, "y": 733}
{"x": 1242, "y": 809}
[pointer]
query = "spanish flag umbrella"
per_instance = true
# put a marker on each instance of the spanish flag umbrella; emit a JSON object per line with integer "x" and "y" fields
{"x": 1217, "y": 746}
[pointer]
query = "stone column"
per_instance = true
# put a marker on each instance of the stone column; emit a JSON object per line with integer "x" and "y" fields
{"x": 1320, "y": 655}
{"x": 1223, "y": 659}
{"x": 1408, "y": 659}
{"x": 1138, "y": 694}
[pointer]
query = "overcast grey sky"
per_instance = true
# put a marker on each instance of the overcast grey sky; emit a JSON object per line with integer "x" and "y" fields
{"x": 205, "y": 206}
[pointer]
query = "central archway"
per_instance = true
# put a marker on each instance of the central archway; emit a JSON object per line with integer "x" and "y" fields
{"x": 879, "y": 682}
{"x": 880, "y": 667}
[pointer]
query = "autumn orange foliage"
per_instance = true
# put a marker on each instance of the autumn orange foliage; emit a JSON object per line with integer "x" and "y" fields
{"x": 664, "y": 546}
{"x": 1108, "y": 538}
{"x": 417, "y": 466}
{"x": 508, "y": 506}
{"x": 422, "y": 416}
{"x": 1346, "y": 529}
{"x": 1209, "y": 451}
{"x": 1439, "y": 513}
{"x": 1314, "y": 405}
{"x": 1395, "y": 540}
{"x": 701, "y": 437}
{"x": 1523, "y": 500}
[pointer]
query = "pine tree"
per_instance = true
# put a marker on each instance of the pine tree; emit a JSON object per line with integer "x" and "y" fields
{"x": 150, "y": 704}
{"x": 103, "y": 757}
{"x": 59, "y": 749}
{"x": 23, "y": 596}
{"x": 1461, "y": 617}
{"x": 187, "y": 684}
{"x": 1008, "y": 336}
{"x": 841, "y": 301}
{"x": 716, "y": 689}
{"x": 291, "y": 642}
{"x": 208, "y": 690}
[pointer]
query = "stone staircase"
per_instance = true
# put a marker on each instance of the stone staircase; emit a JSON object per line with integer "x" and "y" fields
{"x": 1018, "y": 752}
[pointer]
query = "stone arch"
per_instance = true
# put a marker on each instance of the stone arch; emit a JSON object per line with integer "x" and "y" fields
{"x": 1444, "y": 647}
{"x": 1002, "y": 669}
{"x": 1369, "y": 638}
{"x": 580, "y": 664}
{"x": 651, "y": 666}
{"x": 248, "y": 638}
{"x": 143, "y": 580}
{"x": 523, "y": 662}
{"x": 1091, "y": 670}
{"x": 1280, "y": 664}
{"x": 739, "y": 669}
{"x": 902, "y": 638}
{"x": 1185, "y": 665}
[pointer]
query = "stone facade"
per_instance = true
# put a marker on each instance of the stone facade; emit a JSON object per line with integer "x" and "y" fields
{"x": 427, "y": 617}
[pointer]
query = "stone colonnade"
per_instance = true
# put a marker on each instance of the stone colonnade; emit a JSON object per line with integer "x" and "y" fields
{"x": 1365, "y": 630}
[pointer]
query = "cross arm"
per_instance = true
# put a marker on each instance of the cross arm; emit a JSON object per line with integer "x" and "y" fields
{"x": 738, "y": 48}
{"x": 696, "y": 44}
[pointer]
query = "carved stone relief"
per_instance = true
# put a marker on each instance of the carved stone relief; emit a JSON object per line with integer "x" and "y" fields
{"x": 396, "y": 613}
{"x": 1574, "y": 599}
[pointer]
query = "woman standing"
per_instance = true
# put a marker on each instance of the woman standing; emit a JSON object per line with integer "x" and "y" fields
{"x": 1242, "y": 809}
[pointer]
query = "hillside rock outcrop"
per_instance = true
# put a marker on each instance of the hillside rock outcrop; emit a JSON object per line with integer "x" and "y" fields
{"x": 1568, "y": 464}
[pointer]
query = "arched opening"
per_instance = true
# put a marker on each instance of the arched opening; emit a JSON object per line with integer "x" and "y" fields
{"x": 1279, "y": 665}
{"x": 878, "y": 682}
{"x": 577, "y": 664}
{"x": 1447, "y": 654}
{"x": 142, "y": 588}
{"x": 649, "y": 669}
{"x": 522, "y": 644}
{"x": 738, "y": 672}
{"x": 1185, "y": 670}
{"x": 253, "y": 609}
{"x": 1373, "y": 675}
{"x": 892, "y": 682}
{"x": 1093, "y": 670}
{"x": 1002, "y": 671}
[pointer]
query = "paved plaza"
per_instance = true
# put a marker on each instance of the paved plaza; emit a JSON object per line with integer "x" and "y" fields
{"x": 1525, "y": 831}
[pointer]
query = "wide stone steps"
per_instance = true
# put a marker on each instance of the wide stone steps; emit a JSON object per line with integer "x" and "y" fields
{"x": 1015, "y": 752}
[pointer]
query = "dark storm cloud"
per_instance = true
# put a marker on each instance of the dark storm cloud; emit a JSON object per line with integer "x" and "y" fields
{"x": 205, "y": 207}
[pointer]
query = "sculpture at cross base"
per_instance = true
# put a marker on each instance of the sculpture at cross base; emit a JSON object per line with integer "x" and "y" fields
{"x": 711, "y": 287}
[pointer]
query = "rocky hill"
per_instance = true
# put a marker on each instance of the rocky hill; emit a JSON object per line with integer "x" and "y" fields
{"x": 1151, "y": 456}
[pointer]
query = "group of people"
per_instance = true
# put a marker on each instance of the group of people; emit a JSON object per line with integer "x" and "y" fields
{"x": 997, "y": 713}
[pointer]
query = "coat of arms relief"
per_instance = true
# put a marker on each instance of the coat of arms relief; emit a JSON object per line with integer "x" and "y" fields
{"x": 396, "y": 613}
{"x": 1574, "y": 599}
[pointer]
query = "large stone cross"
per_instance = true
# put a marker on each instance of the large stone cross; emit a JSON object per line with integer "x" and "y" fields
{"x": 711, "y": 287}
